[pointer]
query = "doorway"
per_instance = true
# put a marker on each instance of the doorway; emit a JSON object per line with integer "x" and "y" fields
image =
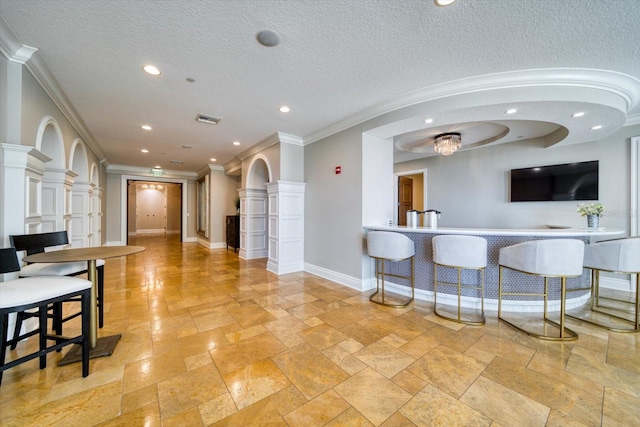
{"x": 411, "y": 193}
{"x": 154, "y": 207}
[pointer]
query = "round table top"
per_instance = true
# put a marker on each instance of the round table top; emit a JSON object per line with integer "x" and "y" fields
{"x": 84, "y": 254}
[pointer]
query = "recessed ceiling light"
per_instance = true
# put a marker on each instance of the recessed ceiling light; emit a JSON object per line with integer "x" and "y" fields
{"x": 443, "y": 2}
{"x": 236, "y": 143}
{"x": 157, "y": 167}
{"x": 284, "y": 109}
{"x": 146, "y": 127}
{"x": 578, "y": 114}
{"x": 268, "y": 38}
{"x": 212, "y": 159}
{"x": 144, "y": 150}
{"x": 151, "y": 69}
{"x": 511, "y": 111}
{"x": 596, "y": 127}
{"x": 427, "y": 121}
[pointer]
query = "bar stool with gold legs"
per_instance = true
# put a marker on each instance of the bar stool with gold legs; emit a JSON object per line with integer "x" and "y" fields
{"x": 389, "y": 246}
{"x": 620, "y": 256}
{"x": 561, "y": 258}
{"x": 460, "y": 253}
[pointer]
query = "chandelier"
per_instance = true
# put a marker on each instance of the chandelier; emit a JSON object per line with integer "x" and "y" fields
{"x": 447, "y": 143}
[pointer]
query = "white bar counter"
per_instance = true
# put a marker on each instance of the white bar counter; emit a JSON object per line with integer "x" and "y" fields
{"x": 496, "y": 239}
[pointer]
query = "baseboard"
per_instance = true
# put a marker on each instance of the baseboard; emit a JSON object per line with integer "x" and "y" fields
{"x": 211, "y": 245}
{"x": 150, "y": 231}
{"x": 114, "y": 243}
{"x": 615, "y": 284}
{"x": 281, "y": 268}
{"x": 334, "y": 276}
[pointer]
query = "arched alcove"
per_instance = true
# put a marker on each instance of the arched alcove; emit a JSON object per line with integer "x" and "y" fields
{"x": 259, "y": 173}
{"x": 254, "y": 210}
{"x": 50, "y": 142}
{"x": 78, "y": 161}
{"x": 80, "y": 227}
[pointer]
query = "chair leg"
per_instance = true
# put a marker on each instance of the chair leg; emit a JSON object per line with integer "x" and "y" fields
{"x": 42, "y": 317}
{"x": 101, "y": 296}
{"x": 16, "y": 330}
{"x": 4, "y": 326}
{"x": 86, "y": 309}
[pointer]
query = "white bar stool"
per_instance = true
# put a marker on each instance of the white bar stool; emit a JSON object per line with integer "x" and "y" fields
{"x": 547, "y": 258}
{"x": 461, "y": 253}
{"x": 39, "y": 293}
{"x": 621, "y": 256}
{"x": 389, "y": 246}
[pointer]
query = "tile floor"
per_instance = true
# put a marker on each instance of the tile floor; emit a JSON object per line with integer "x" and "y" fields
{"x": 208, "y": 339}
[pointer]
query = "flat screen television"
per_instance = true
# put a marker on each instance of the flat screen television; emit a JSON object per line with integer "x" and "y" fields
{"x": 571, "y": 181}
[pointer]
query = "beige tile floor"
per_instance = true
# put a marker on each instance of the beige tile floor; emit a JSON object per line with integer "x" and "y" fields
{"x": 208, "y": 339}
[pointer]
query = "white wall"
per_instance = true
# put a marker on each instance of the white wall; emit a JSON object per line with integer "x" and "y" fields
{"x": 471, "y": 187}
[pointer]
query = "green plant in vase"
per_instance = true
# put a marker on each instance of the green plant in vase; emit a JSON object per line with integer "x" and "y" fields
{"x": 593, "y": 212}
{"x": 236, "y": 203}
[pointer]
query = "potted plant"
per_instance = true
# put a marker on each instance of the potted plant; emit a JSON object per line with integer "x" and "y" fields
{"x": 593, "y": 212}
{"x": 236, "y": 203}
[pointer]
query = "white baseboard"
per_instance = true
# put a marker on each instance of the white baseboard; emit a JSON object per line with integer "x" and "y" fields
{"x": 284, "y": 268}
{"x": 211, "y": 245}
{"x": 334, "y": 276}
{"x": 149, "y": 231}
{"x": 114, "y": 243}
{"x": 615, "y": 283}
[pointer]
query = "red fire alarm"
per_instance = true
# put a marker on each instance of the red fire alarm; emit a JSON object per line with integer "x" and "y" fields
{"x": 338, "y": 170}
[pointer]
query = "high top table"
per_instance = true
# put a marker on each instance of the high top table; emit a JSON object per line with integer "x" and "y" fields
{"x": 99, "y": 346}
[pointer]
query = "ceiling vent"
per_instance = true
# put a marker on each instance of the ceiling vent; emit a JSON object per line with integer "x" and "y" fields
{"x": 175, "y": 162}
{"x": 207, "y": 119}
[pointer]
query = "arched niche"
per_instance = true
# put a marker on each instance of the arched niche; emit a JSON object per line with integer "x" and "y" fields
{"x": 49, "y": 141}
{"x": 81, "y": 192}
{"x": 254, "y": 210}
{"x": 95, "y": 175}
{"x": 78, "y": 161}
{"x": 259, "y": 172}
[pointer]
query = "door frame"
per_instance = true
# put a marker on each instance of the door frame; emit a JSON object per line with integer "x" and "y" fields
{"x": 124, "y": 204}
{"x": 422, "y": 172}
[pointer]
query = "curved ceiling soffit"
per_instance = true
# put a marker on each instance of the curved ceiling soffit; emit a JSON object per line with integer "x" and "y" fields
{"x": 617, "y": 90}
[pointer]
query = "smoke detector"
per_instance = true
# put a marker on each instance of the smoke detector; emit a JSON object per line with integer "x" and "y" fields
{"x": 203, "y": 118}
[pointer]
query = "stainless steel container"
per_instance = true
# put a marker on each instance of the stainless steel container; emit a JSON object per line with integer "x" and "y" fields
{"x": 412, "y": 218}
{"x": 431, "y": 218}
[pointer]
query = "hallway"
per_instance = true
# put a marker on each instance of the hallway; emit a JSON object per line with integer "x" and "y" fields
{"x": 208, "y": 339}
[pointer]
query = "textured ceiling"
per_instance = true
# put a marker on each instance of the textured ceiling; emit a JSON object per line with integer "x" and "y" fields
{"x": 336, "y": 60}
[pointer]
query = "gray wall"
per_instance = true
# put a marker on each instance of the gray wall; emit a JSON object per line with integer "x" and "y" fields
{"x": 291, "y": 162}
{"x": 224, "y": 189}
{"x": 333, "y": 203}
{"x": 471, "y": 187}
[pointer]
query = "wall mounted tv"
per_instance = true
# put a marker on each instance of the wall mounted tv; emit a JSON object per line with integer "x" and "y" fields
{"x": 571, "y": 181}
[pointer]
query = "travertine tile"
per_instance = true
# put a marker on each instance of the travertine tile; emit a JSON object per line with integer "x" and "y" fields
{"x": 318, "y": 411}
{"x": 504, "y": 405}
{"x": 450, "y": 371}
{"x": 373, "y": 395}
{"x": 431, "y": 407}
{"x": 302, "y": 366}
{"x": 254, "y": 382}
{"x": 295, "y": 346}
{"x": 620, "y": 408}
{"x": 384, "y": 358}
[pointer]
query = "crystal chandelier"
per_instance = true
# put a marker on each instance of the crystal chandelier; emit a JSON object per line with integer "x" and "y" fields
{"x": 447, "y": 143}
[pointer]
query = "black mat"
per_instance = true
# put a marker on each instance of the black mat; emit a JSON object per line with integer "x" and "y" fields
{"x": 103, "y": 348}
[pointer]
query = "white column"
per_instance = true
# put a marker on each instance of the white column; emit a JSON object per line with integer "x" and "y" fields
{"x": 286, "y": 227}
{"x": 253, "y": 223}
{"x": 80, "y": 199}
{"x": 56, "y": 186}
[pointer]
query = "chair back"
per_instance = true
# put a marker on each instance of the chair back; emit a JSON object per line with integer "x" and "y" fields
{"x": 389, "y": 245}
{"x": 552, "y": 257}
{"x": 35, "y": 243}
{"x": 617, "y": 255}
{"x": 460, "y": 251}
{"x": 8, "y": 261}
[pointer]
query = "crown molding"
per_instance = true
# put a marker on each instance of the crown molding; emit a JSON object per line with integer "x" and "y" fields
{"x": 146, "y": 172}
{"x": 11, "y": 46}
{"x": 633, "y": 119}
{"x": 14, "y": 50}
{"x": 622, "y": 85}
